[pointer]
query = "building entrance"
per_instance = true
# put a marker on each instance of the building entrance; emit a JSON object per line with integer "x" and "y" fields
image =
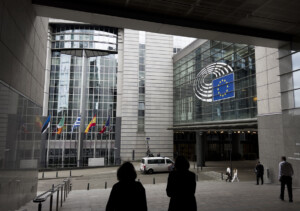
{"x": 218, "y": 145}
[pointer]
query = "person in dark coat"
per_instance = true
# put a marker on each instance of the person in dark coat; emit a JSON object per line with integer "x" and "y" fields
{"x": 127, "y": 194}
{"x": 181, "y": 187}
{"x": 259, "y": 170}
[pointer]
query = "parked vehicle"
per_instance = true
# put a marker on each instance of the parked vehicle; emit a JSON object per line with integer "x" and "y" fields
{"x": 156, "y": 164}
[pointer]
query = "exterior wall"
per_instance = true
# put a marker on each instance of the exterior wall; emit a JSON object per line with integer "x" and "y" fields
{"x": 277, "y": 126}
{"x": 23, "y": 38}
{"x": 23, "y": 48}
{"x": 159, "y": 93}
{"x": 129, "y": 92}
{"x": 290, "y": 112}
{"x": 158, "y": 96}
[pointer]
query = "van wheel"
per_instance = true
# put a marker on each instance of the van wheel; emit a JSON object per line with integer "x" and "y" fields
{"x": 150, "y": 171}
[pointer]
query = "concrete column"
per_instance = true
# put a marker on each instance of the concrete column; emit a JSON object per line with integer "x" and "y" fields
{"x": 200, "y": 152}
{"x": 82, "y": 109}
{"x": 118, "y": 125}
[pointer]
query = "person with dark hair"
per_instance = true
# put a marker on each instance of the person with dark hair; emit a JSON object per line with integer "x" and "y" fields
{"x": 285, "y": 177}
{"x": 259, "y": 170}
{"x": 127, "y": 194}
{"x": 181, "y": 187}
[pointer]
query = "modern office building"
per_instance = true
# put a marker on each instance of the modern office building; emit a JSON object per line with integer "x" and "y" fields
{"x": 121, "y": 75}
{"x": 215, "y": 101}
{"x": 23, "y": 48}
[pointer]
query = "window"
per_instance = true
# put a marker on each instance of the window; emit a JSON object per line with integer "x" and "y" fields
{"x": 169, "y": 161}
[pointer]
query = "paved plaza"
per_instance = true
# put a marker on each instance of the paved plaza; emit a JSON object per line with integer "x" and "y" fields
{"x": 210, "y": 195}
{"x": 212, "y": 192}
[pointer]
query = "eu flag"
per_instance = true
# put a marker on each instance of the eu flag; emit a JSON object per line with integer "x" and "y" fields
{"x": 223, "y": 87}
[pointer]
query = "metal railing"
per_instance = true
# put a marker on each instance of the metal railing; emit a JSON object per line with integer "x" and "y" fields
{"x": 64, "y": 189}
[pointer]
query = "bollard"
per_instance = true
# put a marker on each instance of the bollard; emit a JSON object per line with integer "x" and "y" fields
{"x": 70, "y": 173}
{"x": 56, "y": 174}
{"x": 105, "y": 185}
{"x": 222, "y": 176}
{"x": 70, "y": 186}
{"x": 88, "y": 186}
{"x": 43, "y": 175}
{"x": 153, "y": 180}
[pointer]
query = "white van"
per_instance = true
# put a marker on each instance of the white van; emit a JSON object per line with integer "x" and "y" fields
{"x": 156, "y": 164}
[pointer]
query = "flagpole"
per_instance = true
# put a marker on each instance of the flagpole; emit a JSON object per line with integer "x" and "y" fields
{"x": 63, "y": 151}
{"x": 94, "y": 142}
{"x": 48, "y": 149}
{"x": 106, "y": 151}
{"x": 70, "y": 146}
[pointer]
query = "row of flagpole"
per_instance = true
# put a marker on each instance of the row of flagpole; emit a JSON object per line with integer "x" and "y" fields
{"x": 60, "y": 126}
{"x": 61, "y": 123}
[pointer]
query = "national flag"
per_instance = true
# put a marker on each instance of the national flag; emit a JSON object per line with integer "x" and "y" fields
{"x": 92, "y": 124}
{"x": 105, "y": 126}
{"x": 46, "y": 124}
{"x": 223, "y": 87}
{"x": 38, "y": 122}
{"x": 77, "y": 123}
{"x": 60, "y": 125}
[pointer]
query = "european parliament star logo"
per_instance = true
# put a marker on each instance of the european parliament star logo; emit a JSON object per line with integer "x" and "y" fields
{"x": 223, "y": 87}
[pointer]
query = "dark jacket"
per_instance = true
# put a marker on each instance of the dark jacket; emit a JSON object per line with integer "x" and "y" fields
{"x": 127, "y": 195}
{"x": 181, "y": 188}
{"x": 259, "y": 169}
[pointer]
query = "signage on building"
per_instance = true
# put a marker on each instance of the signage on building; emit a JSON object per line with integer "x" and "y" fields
{"x": 64, "y": 81}
{"x": 214, "y": 82}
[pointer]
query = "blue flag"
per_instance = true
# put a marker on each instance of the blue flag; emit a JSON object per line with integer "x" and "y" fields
{"x": 46, "y": 124}
{"x": 77, "y": 123}
{"x": 223, "y": 87}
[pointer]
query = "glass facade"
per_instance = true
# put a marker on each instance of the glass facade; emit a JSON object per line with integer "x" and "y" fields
{"x": 241, "y": 59}
{"x": 68, "y": 89}
{"x": 82, "y": 36}
{"x": 20, "y": 147}
{"x": 142, "y": 68}
{"x": 296, "y": 77}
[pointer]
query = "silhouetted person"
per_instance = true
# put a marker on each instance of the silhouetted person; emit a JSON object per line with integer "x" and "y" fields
{"x": 127, "y": 194}
{"x": 181, "y": 187}
{"x": 259, "y": 170}
{"x": 285, "y": 177}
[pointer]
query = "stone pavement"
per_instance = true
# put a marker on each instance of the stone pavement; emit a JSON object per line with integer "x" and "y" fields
{"x": 210, "y": 195}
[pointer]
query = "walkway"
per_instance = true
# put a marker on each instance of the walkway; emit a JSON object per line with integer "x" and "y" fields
{"x": 210, "y": 195}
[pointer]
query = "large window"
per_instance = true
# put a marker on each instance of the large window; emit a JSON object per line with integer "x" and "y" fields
{"x": 241, "y": 58}
{"x": 141, "y": 83}
{"x": 67, "y": 90}
{"x": 87, "y": 37}
{"x": 296, "y": 77}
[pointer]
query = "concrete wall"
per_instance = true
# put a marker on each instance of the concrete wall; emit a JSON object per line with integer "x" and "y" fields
{"x": 290, "y": 114}
{"x": 270, "y": 135}
{"x": 158, "y": 95}
{"x": 23, "y": 38}
{"x": 278, "y": 119}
